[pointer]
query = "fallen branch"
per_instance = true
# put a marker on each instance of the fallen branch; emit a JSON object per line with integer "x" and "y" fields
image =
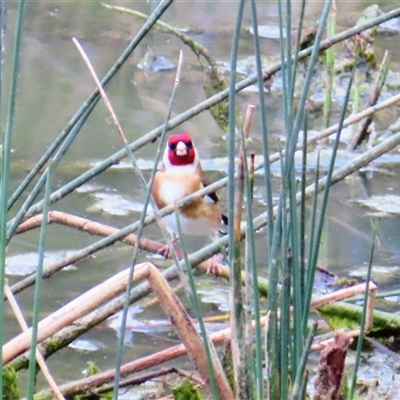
{"x": 89, "y": 226}
{"x": 217, "y": 338}
{"x": 91, "y": 299}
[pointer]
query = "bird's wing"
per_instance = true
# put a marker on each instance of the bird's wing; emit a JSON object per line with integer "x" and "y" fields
{"x": 211, "y": 197}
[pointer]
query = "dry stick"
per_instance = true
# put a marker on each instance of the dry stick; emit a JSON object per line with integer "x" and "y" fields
{"x": 342, "y": 294}
{"x": 348, "y": 121}
{"x": 89, "y": 226}
{"x": 248, "y": 278}
{"x": 373, "y": 99}
{"x": 188, "y": 334}
{"x": 247, "y": 121}
{"x": 143, "y": 363}
{"x": 150, "y": 376}
{"x": 21, "y": 320}
{"x": 238, "y": 317}
{"x": 236, "y": 298}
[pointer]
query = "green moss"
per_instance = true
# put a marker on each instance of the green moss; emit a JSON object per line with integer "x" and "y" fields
{"x": 186, "y": 391}
{"x": 10, "y": 384}
{"x": 344, "y": 315}
{"x": 92, "y": 368}
{"x": 215, "y": 83}
{"x": 52, "y": 346}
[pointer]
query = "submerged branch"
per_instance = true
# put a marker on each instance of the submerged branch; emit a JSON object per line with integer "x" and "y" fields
{"x": 373, "y": 99}
{"x": 197, "y": 48}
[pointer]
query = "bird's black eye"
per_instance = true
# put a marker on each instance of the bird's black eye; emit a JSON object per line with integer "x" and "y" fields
{"x": 189, "y": 144}
{"x": 172, "y": 146}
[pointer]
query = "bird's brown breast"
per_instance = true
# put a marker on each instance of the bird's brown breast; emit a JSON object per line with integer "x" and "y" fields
{"x": 170, "y": 187}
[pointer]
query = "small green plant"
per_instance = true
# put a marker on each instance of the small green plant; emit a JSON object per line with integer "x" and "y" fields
{"x": 186, "y": 390}
{"x": 10, "y": 384}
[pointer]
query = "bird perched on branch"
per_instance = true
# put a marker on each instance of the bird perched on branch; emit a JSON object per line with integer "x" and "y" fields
{"x": 180, "y": 176}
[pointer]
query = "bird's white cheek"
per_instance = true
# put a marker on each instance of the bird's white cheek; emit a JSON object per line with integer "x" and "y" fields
{"x": 172, "y": 192}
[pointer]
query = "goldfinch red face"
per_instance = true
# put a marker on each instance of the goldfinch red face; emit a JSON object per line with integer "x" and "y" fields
{"x": 180, "y": 176}
{"x": 180, "y": 151}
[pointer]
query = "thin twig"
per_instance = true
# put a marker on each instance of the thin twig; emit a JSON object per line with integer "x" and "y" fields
{"x": 21, "y": 320}
{"x": 373, "y": 99}
{"x": 139, "y": 173}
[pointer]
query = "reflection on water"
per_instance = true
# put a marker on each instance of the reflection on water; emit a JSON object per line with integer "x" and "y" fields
{"x": 53, "y": 84}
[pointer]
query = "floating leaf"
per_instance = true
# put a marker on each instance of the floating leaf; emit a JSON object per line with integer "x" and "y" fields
{"x": 388, "y": 203}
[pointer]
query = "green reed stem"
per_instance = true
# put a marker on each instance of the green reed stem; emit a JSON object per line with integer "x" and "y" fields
{"x": 282, "y": 56}
{"x": 237, "y": 311}
{"x": 289, "y": 65}
{"x": 263, "y": 120}
{"x": 360, "y": 340}
{"x": 2, "y": 32}
{"x": 272, "y": 304}
{"x": 259, "y": 353}
{"x": 296, "y": 54}
{"x": 194, "y": 300}
{"x": 330, "y": 67}
{"x": 297, "y": 387}
{"x": 5, "y": 158}
{"x": 303, "y": 210}
{"x": 313, "y": 257}
{"x": 294, "y": 131}
{"x": 38, "y": 287}
{"x": 284, "y": 321}
{"x": 147, "y": 186}
{"x": 314, "y": 220}
{"x": 297, "y": 295}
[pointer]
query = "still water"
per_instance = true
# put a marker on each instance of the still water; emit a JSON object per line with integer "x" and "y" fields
{"x": 54, "y": 82}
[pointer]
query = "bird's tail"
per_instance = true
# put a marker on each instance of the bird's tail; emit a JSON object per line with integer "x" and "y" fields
{"x": 224, "y": 220}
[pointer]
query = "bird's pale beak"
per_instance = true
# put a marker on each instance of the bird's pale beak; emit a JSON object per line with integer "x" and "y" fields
{"x": 181, "y": 149}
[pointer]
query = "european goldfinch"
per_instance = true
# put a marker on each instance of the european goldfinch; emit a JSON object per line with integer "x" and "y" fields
{"x": 180, "y": 176}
